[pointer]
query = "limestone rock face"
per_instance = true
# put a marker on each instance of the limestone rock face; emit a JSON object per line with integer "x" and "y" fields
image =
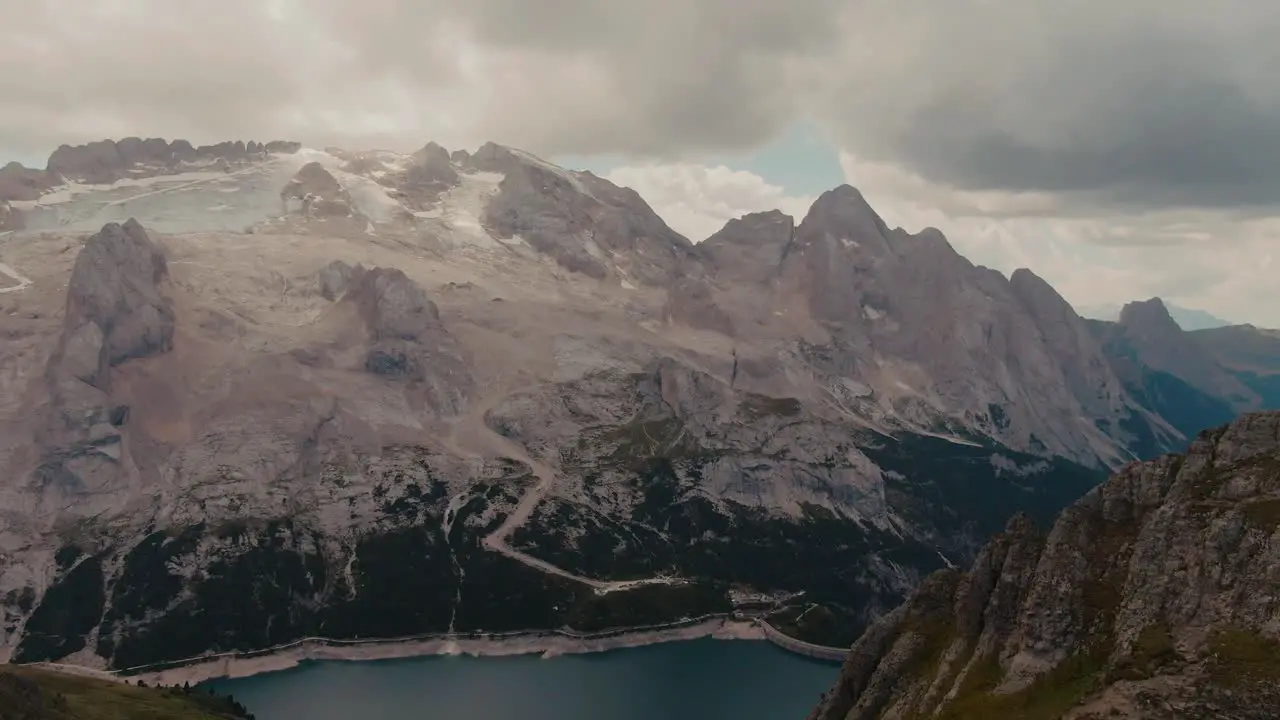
{"x": 492, "y": 157}
{"x": 115, "y": 287}
{"x": 22, "y": 183}
{"x": 749, "y": 249}
{"x": 1151, "y": 597}
{"x": 283, "y": 147}
{"x": 106, "y": 161}
{"x": 335, "y": 278}
{"x": 407, "y": 338}
{"x": 115, "y": 312}
{"x": 317, "y": 193}
{"x": 587, "y": 225}
{"x": 430, "y": 173}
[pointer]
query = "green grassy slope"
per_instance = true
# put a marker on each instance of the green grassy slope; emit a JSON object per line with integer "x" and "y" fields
{"x": 28, "y": 693}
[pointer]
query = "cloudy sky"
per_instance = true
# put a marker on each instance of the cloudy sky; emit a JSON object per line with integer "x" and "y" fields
{"x": 1121, "y": 150}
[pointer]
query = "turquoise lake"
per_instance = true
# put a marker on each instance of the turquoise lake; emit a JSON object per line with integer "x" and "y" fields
{"x": 697, "y": 680}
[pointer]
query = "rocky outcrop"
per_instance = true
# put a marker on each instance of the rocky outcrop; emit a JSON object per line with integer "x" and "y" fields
{"x": 430, "y": 173}
{"x": 407, "y": 339}
{"x": 492, "y": 157}
{"x": 22, "y": 183}
{"x": 418, "y": 181}
{"x": 749, "y": 249}
{"x": 115, "y": 312}
{"x": 586, "y": 224}
{"x": 317, "y": 194}
{"x": 107, "y": 161}
{"x": 335, "y": 278}
{"x": 10, "y": 217}
{"x": 1151, "y": 597}
{"x": 115, "y": 309}
{"x": 282, "y": 147}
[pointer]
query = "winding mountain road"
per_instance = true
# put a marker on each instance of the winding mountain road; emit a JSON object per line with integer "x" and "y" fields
{"x": 474, "y": 429}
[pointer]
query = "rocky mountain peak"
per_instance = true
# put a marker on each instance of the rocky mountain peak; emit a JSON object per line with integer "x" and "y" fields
{"x": 430, "y": 173}
{"x": 116, "y": 311}
{"x": 586, "y": 224}
{"x": 1149, "y": 598}
{"x": 1029, "y": 285}
{"x": 432, "y": 152}
{"x": 492, "y": 157}
{"x": 106, "y": 161}
{"x": 749, "y": 249}
{"x": 318, "y": 192}
{"x": 18, "y": 183}
{"x": 844, "y": 211}
{"x": 1148, "y": 317}
{"x": 115, "y": 286}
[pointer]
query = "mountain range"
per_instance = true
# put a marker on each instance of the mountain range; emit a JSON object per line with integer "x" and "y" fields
{"x": 254, "y": 392}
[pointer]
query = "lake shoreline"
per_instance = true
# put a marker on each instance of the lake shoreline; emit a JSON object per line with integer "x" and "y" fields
{"x": 547, "y": 644}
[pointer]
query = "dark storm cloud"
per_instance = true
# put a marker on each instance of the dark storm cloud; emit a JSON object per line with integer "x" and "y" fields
{"x": 1148, "y": 104}
{"x": 657, "y": 78}
{"x": 1143, "y": 102}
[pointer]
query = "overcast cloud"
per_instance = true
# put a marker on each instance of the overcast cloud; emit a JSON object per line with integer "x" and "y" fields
{"x": 1065, "y": 135}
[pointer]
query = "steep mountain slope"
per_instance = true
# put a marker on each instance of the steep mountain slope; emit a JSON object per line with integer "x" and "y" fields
{"x": 1154, "y": 596}
{"x": 292, "y": 392}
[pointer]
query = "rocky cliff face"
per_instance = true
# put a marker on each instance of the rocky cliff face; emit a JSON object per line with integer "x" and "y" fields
{"x": 1154, "y": 596}
{"x": 314, "y": 192}
{"x": 407, "y": 338}
{"x": 586, "y": 224}
{"x": 23, "y": 184}
{"x": 106, "y": 161}
{"x": 945, "y": 343}
{"x": 115, "y": 312}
